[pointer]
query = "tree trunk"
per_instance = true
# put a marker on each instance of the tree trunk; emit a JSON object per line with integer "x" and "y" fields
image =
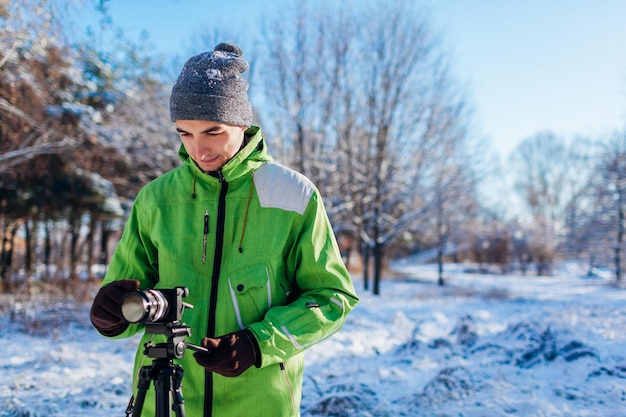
{"x": 6, "y": 257}
{"x": 378, "y": 263}
{"x": 31, "y": 250}
{"x": 28, "y": 261}
{"x": 620, "y": 237}
{"x": 74, "y": 234}
{"x": 440, "y": 263}
{"x": 365, "y": 251}
{"x": 105, "y": 232}
{"x": 61, "y": 263}
{"x": 47, "y": 250}
{"x": 90, "y": 244}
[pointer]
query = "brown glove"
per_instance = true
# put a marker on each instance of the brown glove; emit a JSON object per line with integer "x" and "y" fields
{"x": 106, "y": 311}
{"x": 230, "y": 355}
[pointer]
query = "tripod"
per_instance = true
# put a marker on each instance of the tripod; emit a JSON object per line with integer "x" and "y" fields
{"x": 166, "y": 375}
{"x": 167, "y": 379}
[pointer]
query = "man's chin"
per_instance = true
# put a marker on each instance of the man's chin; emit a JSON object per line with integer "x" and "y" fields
{"x": 210, "y": 167}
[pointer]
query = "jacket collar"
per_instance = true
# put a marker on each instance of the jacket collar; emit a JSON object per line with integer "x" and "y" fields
{"x": 249, "y": 158}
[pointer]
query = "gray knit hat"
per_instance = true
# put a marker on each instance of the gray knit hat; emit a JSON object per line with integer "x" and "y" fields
{"x": 210, "y": 87}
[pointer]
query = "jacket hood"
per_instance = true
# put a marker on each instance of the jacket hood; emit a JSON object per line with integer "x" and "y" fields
{"x": 249, "y": 158}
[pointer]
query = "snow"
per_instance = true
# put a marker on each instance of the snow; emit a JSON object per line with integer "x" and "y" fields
{"x": 483, "y": 345}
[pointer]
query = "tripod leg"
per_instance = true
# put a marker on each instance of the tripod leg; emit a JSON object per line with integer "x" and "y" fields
{"x": 145, "y": 376}
{"x": 163, "y": 388}
{"x": 177, "y": 380}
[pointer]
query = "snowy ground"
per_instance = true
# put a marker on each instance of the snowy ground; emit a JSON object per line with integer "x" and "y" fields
{"x": 482, "y": 346}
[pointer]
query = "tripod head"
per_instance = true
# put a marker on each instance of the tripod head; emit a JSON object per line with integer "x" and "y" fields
{"x": 176, "y": 344}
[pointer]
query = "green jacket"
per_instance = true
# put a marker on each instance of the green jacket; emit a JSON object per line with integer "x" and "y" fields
{"x": 270, "y": 264}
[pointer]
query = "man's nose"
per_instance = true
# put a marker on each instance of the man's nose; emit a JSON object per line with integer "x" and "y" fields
{"x": 204, "y": 152}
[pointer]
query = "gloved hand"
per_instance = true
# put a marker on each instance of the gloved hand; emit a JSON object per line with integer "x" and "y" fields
{"x": 106, "y": 311}
{"x": 230, "y": 355}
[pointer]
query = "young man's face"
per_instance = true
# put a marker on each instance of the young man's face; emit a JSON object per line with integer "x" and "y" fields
{"x": 210, "y": 144}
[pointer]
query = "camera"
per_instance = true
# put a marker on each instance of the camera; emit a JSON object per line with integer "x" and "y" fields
{"x": 155, "y": 306}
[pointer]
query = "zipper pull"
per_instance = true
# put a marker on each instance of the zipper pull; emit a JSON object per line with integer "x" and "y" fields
{"x": 204, "y": 236}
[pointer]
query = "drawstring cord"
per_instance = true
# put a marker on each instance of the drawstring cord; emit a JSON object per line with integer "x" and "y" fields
{"x": 245, "y": 216}
{"x": 193, "y": 185}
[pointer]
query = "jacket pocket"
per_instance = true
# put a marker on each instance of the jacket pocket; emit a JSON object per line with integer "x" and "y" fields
{"x": 251, "y": 293}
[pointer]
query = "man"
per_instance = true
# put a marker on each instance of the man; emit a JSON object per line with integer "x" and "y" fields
{"x": 249, "y": 238}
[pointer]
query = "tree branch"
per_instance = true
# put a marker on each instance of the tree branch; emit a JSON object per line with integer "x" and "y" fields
{"x": 13, "y": 158}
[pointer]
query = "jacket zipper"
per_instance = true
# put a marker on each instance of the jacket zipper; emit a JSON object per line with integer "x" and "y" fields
{"x": 205, "y": 235}
{"x": 283, "y": 371}
{"x": 217, "y": 263}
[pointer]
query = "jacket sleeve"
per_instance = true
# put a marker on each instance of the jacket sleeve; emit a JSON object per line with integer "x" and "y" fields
{"x": 326, "y": 293}
{"x": 134, "y": 258}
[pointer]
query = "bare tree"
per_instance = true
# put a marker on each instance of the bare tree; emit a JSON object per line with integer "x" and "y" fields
{"x": 582, "y": 235}
{"x": 312, "y": 104}
{"x": 302, "y": 75}
{"x": 540, "y": 165}
{"x": 362, "y": 98}
{"x": 610, "y": 202}
{"x": 417, "y": 118}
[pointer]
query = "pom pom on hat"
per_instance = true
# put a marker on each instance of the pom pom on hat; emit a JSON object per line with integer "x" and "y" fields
{"x": 210, "y": 87}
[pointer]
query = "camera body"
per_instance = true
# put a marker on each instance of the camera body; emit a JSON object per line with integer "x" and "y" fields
{"x": 155, "y": 305}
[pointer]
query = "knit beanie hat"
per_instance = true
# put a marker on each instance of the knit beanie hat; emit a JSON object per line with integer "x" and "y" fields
{"x": 210, "y": 87}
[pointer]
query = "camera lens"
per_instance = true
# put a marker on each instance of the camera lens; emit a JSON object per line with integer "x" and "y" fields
{"x": 145, "y": 306}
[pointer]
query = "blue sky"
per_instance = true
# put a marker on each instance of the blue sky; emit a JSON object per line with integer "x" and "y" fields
{"x": 540, "y": 65}
{"x": 557, "y": 65}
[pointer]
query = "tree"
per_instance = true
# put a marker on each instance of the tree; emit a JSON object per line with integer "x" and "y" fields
{"x": 41, "y": 116}
{"x": 361, "y": 97}
{"x": 541, "y": 168}
{"x": 300, "y": 81}
{"x": 34, "y": 75}
{"x": 311, "y": 105}
{"x": 582, "y": 238}
{"x": 80, "y": 117}
{"x": 610, "y": 187}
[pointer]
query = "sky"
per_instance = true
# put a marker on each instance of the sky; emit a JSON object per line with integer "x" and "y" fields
{"x": 527, "y": 67}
